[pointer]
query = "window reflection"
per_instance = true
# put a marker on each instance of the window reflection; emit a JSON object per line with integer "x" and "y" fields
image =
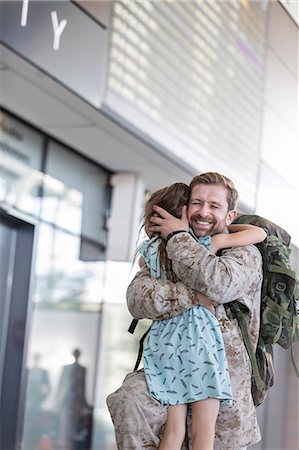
{"x": 20, "y": 165}
{"x": 63, "y": 280}
{"x": 75, "y": 193}
{"x": 62, "y": 204}
{"x": 38, "y": 390}
{"x": 69, "y": 198}
{"x": 75, "y": 414}
{"x": 61, "y": 380}
{"x": 118, "y": 353}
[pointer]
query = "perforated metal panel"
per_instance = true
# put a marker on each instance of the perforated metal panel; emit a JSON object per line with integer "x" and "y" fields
{"x": 190, "y": 75}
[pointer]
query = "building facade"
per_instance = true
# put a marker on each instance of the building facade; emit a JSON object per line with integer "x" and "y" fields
{"x": 101, "y": 103}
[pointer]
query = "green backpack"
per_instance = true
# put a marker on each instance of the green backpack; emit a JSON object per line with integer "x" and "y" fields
{"x": 279, "y": 306}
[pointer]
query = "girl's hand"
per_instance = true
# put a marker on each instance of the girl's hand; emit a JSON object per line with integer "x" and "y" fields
{"x": 206, "y": 302}
{"x": 164, "y": 223}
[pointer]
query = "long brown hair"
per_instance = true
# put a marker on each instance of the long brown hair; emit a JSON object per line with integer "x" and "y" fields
{"x": 171, "y": 198}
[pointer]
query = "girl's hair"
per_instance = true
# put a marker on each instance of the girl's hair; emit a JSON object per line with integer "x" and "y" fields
{"x": 217, "y": 178}
{"x": 172, "y": 199}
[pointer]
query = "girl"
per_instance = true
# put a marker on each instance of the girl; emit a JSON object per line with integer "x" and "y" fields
{"x": 184, "y": 359}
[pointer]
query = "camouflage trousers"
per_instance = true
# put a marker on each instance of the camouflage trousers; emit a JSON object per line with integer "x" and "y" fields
{"x": 139, "y": 419}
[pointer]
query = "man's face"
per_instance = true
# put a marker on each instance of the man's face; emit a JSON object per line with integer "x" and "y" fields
{"x": 208, "y": 210}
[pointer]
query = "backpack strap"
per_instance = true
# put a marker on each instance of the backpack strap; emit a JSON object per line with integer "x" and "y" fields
{"x": 294, "y": 362}
{"x": 295, "y": 325}
{"x": 295, "y": 329}
{"x": 133, "y": 326}
{"x": 239, "y": 315}
{"x": 140, "y": 351}
{"x": 131, "y": 330}
{"x": 296, "y": 307}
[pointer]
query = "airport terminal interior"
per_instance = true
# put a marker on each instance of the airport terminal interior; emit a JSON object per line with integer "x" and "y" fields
{"x": 103, "y": 102}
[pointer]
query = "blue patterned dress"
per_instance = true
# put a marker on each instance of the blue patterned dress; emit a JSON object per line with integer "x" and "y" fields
{"x": 184, "y": 358}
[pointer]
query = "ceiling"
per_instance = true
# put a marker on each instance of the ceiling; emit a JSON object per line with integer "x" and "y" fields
{"x": 32, "y": 95}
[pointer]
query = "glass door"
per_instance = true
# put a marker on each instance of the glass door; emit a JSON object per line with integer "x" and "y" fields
{"x": 16, "y": 249}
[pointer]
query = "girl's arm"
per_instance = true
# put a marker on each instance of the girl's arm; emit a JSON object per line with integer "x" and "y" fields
{"x": 239, "y": 236}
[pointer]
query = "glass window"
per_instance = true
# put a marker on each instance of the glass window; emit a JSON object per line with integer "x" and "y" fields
{"x": 63, "y": 278}
{"x": 20, "y": 165}
{"x": 118, "y": 353}
{"x": 61, "y": 380}
{"x": 75, "y": 193}
{"x": 70, "y": 197}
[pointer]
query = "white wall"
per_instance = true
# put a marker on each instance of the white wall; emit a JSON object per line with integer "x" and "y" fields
{"x": 278, "y": 186}
{"x": 278, "y": 201}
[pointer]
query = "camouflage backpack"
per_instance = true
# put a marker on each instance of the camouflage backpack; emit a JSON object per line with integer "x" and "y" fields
{"x": 279, "y": 306}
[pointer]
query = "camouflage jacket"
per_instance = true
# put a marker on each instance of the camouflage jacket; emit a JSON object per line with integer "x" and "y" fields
{"x": 235, "y": 275}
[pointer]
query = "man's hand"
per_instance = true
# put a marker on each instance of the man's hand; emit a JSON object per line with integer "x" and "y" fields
{"x": 205, "y": 301}
{"x": 167, "y": 223}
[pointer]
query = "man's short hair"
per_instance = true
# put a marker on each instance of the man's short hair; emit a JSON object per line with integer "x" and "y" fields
{"x": 217, "y": 178}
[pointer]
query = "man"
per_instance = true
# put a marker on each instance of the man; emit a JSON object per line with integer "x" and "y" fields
{"x": 38, "y": 389}
{"x": 71, "y": 402}
{"x": 236, "y": 274}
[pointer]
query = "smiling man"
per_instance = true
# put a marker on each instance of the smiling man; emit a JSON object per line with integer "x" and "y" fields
{"x": 234, "y": 275}
{"x": 212, "y": 207}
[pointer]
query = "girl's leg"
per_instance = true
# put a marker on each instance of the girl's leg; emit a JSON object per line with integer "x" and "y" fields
{"x": 175, "y": 428}
{"x": 204, "y": 415}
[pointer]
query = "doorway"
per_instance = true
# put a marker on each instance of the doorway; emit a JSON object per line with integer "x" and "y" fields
{"x": 16, "y": 251}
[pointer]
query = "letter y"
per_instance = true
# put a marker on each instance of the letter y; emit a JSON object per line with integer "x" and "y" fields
{"x": 57, "y": 28}
{"x": 24, "y": 15}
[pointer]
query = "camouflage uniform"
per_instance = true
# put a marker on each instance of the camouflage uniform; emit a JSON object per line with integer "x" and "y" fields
{"x": 237, "y": 274}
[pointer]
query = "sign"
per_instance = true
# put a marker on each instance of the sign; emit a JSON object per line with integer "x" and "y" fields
{"x": 59, "y": 38}
{"x": 57, "y": 27}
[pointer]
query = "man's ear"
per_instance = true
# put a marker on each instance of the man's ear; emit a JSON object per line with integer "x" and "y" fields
{"x": 231, "y": 215}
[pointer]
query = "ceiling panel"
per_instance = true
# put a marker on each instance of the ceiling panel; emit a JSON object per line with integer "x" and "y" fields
{"x": 40, "y": 100}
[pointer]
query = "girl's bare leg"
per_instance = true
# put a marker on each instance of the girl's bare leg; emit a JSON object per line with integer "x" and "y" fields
{"x": 175, "y": 428}
{"x": 204, "y": 415}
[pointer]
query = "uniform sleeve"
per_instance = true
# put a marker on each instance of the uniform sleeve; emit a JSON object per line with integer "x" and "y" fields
{"x": 157, "y": 299}
{"x": 231, "y": 276}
